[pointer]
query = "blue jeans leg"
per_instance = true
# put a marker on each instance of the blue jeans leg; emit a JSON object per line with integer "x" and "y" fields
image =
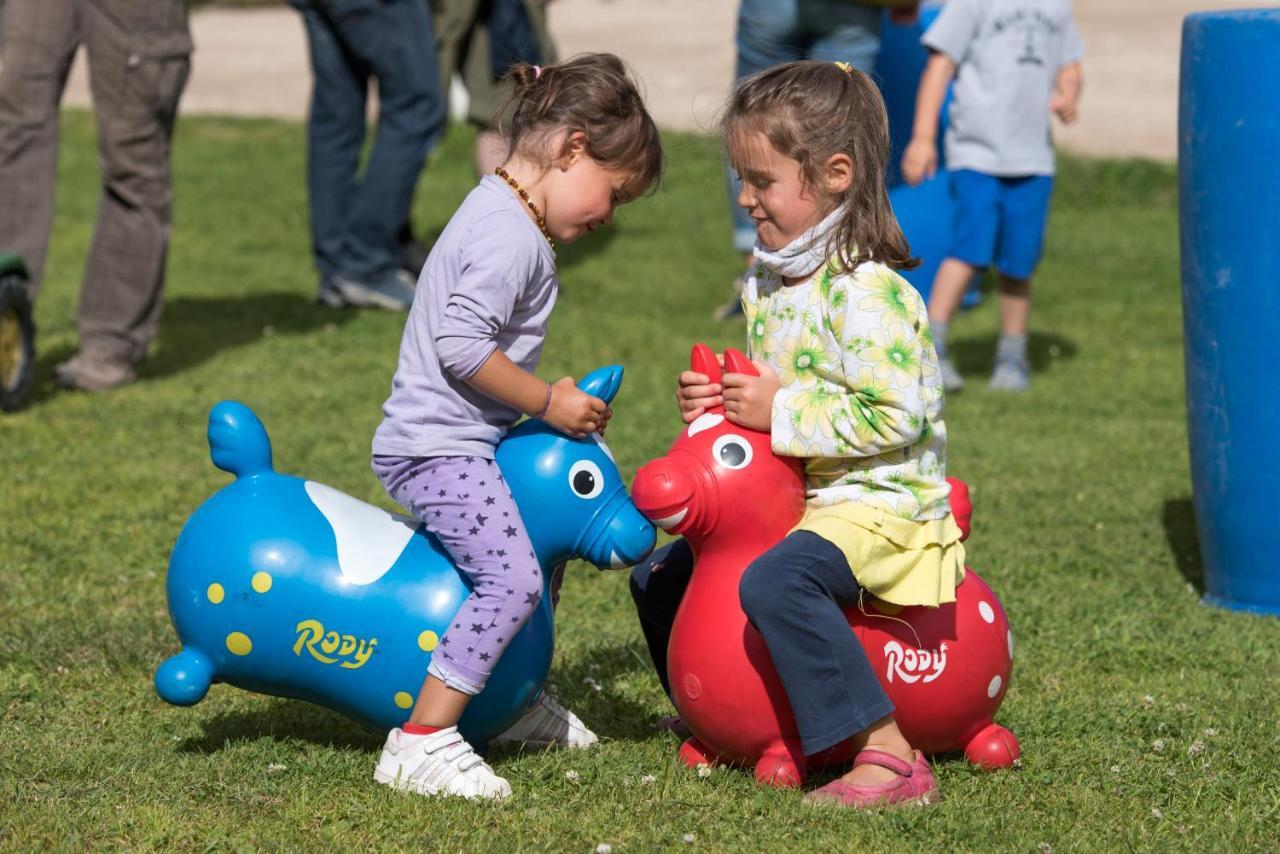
{"x": 335, "y": 133}
{"x": 394, "y": 41}
{"x": 843, "y": 32}
{"x": 794, "y": 595}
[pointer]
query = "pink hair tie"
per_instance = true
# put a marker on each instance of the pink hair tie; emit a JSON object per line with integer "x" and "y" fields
{"x": 537, "y": 72}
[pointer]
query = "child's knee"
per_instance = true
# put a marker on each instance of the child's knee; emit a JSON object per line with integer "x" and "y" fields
{"x": 756, "y": 594}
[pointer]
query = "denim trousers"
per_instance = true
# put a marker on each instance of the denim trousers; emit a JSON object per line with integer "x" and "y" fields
{"x": 793, "y": 594}
{"x": 355, "y": 217}
{"x": 771, "y": 32}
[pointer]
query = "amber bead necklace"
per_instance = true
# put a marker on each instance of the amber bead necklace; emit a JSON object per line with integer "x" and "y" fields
{"x": 537, "y": 214}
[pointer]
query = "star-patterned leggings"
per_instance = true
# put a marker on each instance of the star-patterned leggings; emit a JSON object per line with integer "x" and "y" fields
{"x": 467, "y": 505}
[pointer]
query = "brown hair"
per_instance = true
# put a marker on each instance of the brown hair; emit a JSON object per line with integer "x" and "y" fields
{"x": 591, "y": 93}
{"x": 810, "y": 111}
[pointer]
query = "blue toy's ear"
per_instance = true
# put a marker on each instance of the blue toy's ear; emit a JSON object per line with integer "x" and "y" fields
{"x": 603, "y": 382}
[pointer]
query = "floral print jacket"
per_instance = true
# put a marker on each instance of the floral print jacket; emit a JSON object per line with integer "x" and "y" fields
{"x": 861, "y": 395}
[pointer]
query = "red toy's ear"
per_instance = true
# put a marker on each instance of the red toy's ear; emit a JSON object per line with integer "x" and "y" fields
{"x": 736, "y": 362}
{"x": 703, "y": 361}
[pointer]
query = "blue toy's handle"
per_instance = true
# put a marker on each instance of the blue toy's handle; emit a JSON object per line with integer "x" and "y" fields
{"x": 238, "y": 442}
{"x": 603, "y": 382}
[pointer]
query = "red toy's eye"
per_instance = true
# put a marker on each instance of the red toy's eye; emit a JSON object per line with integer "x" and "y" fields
{"x": 732, "y": 451}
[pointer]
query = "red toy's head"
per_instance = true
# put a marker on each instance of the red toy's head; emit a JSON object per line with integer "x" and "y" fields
{"x": 717, "y": 471}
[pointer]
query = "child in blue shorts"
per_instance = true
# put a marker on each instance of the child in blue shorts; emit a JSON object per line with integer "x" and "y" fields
{"x": 1014, "y": 63}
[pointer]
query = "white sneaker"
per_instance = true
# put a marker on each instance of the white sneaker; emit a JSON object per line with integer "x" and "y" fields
{"x": 549, "y": 724}
{"x": 441, "y": 763}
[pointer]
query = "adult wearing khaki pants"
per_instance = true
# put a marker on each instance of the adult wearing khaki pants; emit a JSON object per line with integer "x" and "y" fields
{"x": 139, "y": 57}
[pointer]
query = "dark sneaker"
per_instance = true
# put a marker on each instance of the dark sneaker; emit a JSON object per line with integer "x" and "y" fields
{"x": 392, "y": 291}
{"x": 91, "y": 373}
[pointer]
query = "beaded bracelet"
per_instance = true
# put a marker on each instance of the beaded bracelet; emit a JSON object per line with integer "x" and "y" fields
{"x": 546, "y": 406}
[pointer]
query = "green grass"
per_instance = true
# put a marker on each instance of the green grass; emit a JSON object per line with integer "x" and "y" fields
{"x": 1146, "y": 720}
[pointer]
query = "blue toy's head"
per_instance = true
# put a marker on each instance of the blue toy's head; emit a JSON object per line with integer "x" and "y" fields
{"x": 571, "y": 497}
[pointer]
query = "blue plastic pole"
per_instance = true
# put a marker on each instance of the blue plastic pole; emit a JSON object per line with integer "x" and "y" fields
{"x": 1229, "y": 199}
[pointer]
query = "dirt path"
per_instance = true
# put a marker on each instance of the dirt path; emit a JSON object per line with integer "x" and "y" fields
{"x": 254, "y": 62}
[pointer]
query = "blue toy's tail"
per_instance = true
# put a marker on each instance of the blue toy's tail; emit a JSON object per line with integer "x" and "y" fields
{"x": 238, "y": 442}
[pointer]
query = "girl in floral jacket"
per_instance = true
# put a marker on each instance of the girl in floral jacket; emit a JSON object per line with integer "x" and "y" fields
{"x": 849, "y": 382}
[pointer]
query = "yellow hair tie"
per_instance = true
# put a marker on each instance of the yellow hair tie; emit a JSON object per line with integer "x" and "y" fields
{"x": 845, "y": 67}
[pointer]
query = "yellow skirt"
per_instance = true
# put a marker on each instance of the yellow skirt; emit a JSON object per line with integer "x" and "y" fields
{"x": 901, "y": 561}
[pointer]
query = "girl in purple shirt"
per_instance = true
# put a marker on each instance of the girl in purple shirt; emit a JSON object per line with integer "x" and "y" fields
{"x": 582, "y": 144}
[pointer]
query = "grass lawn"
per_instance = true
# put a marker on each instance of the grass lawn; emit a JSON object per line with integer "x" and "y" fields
{"x": 1147, "y": 720}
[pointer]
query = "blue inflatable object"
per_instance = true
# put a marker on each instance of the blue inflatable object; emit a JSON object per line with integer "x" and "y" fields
{"x": 925, "y": 212}
{"x": 285, "y": 586}
{"x": 1229, "y": 200}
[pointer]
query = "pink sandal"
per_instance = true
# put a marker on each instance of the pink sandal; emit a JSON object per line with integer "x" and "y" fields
{"x": 914, "y": 784}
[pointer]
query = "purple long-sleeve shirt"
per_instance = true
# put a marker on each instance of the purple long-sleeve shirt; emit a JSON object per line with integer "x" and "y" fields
{"x": 489, "y": 283}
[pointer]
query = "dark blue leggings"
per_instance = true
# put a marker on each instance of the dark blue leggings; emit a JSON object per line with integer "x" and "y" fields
{"x": 793, "y": 595}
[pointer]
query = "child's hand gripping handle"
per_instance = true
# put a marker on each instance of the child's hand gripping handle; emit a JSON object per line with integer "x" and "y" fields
{"x": 573, "y": 412}
{"x": 699, "y": 387}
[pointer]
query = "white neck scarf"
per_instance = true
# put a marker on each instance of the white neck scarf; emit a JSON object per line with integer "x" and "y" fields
{"x": 804, "y": 255}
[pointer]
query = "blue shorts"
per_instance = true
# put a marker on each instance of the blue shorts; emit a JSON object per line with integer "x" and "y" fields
{"x": 999, "y": 220}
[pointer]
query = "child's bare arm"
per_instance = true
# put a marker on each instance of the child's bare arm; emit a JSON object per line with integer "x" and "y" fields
{"x": 920, "y": 160}
{"x": 569, "y": 409}
{"x": 1066, "y": 92}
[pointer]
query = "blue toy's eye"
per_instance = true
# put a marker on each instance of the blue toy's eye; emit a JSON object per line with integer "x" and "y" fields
{"x": 732, "y": 451}
{"x": 586, "y": 479}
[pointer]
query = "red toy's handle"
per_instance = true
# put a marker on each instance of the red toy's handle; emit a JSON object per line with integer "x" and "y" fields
{"x": 703, "y": 361}
{"x": 736, "y": 362}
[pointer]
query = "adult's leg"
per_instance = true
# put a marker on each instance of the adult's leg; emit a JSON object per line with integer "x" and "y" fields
{"x": 139, "y": 57}
{"x": 396, "y": 41}
{"x": 657, "y": 586}
{"x": 335, "y": 134}
{"x": 840, "y": 31}
{"x": 768, "y": 34}
{"x": 38, "y": 40}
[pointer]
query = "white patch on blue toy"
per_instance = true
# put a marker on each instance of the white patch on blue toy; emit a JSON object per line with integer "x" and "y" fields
{"x": 369, "y": 538}
{"x": 608, "y": 453}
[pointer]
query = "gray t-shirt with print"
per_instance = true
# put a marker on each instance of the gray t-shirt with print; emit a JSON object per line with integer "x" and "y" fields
{"x": 1007, "y": 55}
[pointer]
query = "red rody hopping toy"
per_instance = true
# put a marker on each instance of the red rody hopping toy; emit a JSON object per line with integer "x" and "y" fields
{"x": 721, "y": 487}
